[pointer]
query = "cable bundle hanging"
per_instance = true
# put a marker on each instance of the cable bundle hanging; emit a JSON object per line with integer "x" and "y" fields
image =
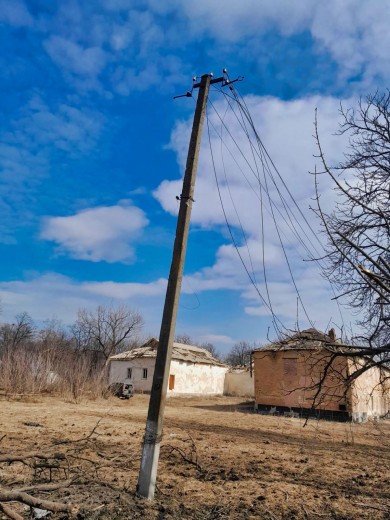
{"x": 281, "y": 206}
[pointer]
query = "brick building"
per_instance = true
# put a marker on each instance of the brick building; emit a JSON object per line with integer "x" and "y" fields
{"x": 302, "y": 374}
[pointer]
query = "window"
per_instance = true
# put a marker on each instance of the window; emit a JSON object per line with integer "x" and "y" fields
{"x": 144, "y": 373}
{"x": 171, "y": 381}
{"x": 129, "y": 373}
{"x": 290, "y": 368}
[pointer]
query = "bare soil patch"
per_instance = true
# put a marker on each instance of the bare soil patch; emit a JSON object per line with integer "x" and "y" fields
{"x": 218, "y": 460}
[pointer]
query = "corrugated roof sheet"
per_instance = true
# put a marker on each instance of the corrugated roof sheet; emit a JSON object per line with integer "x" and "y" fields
{"x": 180, "y": 352}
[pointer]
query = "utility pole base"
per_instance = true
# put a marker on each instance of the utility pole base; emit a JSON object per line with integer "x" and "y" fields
{"x": 148, "y": 472}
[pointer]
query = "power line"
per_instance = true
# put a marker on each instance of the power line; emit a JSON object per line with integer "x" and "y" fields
{"x": 262, "y": 174}
{"x": 275, "y": 318}
{"x": 264, "y": 157}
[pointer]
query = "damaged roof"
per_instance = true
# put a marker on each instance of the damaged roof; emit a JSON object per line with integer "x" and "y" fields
{"x": 180, "y": 352}
{"x": 310, "y": 339}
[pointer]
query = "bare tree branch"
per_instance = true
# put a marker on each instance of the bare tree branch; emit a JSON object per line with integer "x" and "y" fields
{"x": 9, "y": 512}
{"x": 358, "y": 228}
{"x": 107, "y": 330}
{"x": 15, "y": 495}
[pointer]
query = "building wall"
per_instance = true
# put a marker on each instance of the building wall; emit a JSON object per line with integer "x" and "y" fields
{"x": 119, "y": 373}
{"x": 287, "y": 379}
{"x": 370, "y": 393}
{"x": 193, "y": 378}
{"x": 239, "y": 382}
{"x": 189, "y": 378}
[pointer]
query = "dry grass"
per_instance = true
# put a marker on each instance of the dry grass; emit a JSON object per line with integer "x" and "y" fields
{"x": 219, "y": 461}
{"x": 65, "y": 373}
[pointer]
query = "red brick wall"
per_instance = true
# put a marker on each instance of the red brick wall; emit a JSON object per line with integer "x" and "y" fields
{"x": 288, "y": 378}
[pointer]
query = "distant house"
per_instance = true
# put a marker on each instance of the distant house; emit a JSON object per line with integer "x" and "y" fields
{"x": 193, "y": 369}
{"x": 288, "y": 373}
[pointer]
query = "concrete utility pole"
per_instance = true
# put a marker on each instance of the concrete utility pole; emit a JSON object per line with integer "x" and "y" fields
{"x": 154, "y": 423}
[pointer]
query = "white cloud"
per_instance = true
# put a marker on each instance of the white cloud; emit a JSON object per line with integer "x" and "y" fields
{"x": 287, "y": 131}
{"x": 354, "y": 32}
{"x": 21, "y": 171}
{"x": 65, "y": 126}
{"x": 18, "y": 165}
{"x": 74, "y": 58}
{"x": 97, "y": 234}
{"x": 131, "y": 45}
{"x": 15, "y": 13}
{"x": 216, "y": 338}
{"x": 35, "y": 296}
{"x": 231, "y": 21}
{"x": 27, "y": 147}
{"x": 121, "y": 36}
{"x": 139, "y": 45}
{"x": 126, "y": 290}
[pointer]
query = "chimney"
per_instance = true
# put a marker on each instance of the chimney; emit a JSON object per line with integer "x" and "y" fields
{"x": 332, "y": 335}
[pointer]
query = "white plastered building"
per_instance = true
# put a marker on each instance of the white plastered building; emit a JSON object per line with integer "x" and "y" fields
{"x": 193, "y": 370}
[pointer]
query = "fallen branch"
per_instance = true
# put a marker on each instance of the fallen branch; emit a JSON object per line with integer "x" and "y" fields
{"x": 15, "y": 495}
{"x": 49, "y": 487}
{"x": 8, "y": 512}
{"x": 188, "y": 452}
{"x": 71, "y": 459}
{"x": 191, "y": 459}
{"x": 10, "y": 459}
{"x": 81, "y": 439}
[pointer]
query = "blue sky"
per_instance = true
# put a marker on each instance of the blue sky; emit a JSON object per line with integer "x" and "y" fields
{"x": 92, "y": 150}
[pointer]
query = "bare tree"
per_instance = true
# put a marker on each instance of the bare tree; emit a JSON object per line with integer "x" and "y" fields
{"x": 185, "y": 339}
{"x": 107, "y": 330}
{"x": 17, "y": 333}
{"x": 210, "y": 347}
{"x": 53, "y": 336}
{"x": 240, "y": 354}
{"x": 358, "y": 229}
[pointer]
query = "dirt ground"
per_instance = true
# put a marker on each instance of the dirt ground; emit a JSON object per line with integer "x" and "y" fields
{"x": 218, "y": 460}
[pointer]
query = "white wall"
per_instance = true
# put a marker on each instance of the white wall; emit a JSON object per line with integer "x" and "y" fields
{"x": 240, "y": 383}
{"x": 369, "y": 395}
{"x": 190, "y": 378}
{"x": 118, "y": 372}
{"x": 201, "y": 379}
